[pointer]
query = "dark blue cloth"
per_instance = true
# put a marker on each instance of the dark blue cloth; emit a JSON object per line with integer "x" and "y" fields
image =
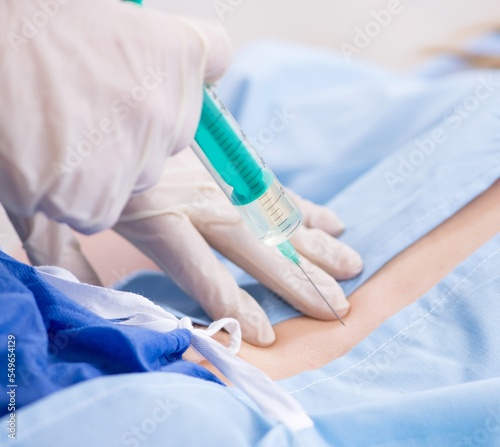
{"x": 59, "y": 343}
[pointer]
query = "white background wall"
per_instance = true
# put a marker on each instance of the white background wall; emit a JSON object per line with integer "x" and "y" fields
{"x": 420, "y": 25}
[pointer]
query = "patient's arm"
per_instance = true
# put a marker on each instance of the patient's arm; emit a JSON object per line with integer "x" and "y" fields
{"x": 303, "y": 343}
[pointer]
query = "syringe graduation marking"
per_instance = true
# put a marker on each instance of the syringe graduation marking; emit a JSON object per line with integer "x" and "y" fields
{"x": 244, "y": 176}
{"x": 229, "y": 153}
{"x": 277, "y": 200}
{"x": 235, "y": 157}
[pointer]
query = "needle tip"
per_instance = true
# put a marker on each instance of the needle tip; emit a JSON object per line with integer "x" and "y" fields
{"x": 321, "y": 295}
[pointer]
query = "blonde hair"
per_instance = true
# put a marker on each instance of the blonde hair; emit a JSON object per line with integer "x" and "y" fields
{"x": 479, "y": 60}
{"x": 473, "y": 59}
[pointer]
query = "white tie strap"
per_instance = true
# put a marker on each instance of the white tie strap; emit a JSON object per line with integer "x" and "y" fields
{"x": 135, "y": 310}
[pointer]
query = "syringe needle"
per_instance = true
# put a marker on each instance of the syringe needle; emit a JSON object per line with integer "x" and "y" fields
{"x": 320, "y": 294}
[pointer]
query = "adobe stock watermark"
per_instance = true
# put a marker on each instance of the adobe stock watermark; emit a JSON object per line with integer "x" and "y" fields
{"x": 363, "y": 36}
{"x": 270, "y": 302}
{"x": 121, "y": 107}
{"x": 380, "y": 361}
{"x": 31, "y": 26}
{"x": 482, "y": 434}
{"x": 237, "y": 165}
{"x": 222, "y": 7}
{"x": 279, "y": 121}
{"x": 204, "y": 195}
{"x": 35, "y": 366}
{"x": 426, "y": 147}
{"x": 137, "y": 434}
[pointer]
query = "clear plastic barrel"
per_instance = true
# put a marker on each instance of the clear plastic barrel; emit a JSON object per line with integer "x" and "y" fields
{"x": 273, "y": 217}
{"x": 250, "y": 185}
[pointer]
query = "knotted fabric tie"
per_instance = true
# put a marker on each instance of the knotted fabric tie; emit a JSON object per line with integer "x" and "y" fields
{"x": 135, "y": 310}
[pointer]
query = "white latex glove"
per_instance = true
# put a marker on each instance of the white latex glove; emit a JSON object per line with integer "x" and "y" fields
{"x": 177, "y": 221}
{"x": 95, "y": 94}
{"x": 50, "y": 243}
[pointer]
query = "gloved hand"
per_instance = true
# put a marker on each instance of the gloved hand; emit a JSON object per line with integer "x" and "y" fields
{"x": 50, "y": 243}
{"x": 95, "y": 94}
{"x": 177, "y": 221}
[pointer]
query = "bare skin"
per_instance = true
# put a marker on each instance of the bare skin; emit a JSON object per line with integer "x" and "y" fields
{"x": 396, "y": 285}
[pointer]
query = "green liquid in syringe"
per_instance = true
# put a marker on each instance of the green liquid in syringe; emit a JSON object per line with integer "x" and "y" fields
{"x": 225, "y": 149}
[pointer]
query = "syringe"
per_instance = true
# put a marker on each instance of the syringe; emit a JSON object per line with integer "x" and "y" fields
{"x": 244, "y": 177}
{"x": 249, "y": 184}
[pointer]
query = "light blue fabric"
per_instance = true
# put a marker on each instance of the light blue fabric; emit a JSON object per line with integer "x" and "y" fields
{"x": 349, "y": 117}
{"x": 428, "y": 376}
{"x": 163, "y": 291}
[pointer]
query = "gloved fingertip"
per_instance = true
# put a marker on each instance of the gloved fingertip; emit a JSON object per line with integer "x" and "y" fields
{"x": 256, "y": 328}
{"x": 262, "y": 336}
{"x": 312, "y": 297}
{"x": 219, "y": 48}
{"x": 259, "y": 333}
{"x": 327, "y": 221}
{"x": 349, "y": 265}
{"x": 355, "y": 264}
{"x": 344, "y": 309}
{"x": 339, "y": 303}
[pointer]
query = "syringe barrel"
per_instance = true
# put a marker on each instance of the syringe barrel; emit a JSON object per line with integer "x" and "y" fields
{"x": 244, "y": 177}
